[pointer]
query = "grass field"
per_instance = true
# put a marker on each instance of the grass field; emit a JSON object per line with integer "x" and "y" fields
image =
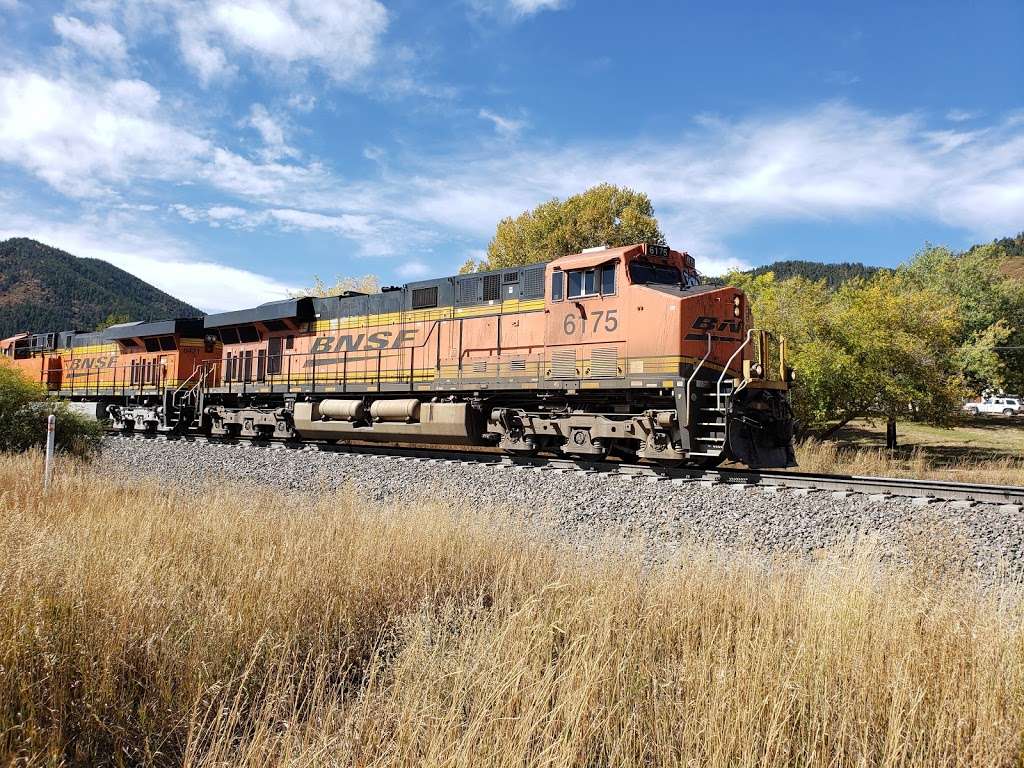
{"x": 986, "y": 450}
{"x": 241, "y": 628}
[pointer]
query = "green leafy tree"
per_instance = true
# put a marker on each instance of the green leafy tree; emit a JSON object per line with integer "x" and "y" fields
{"x": 602, "y": 215}
{"x": 990, "y": 305}
{"x": 24, "y": 408}
{"x": 882, "y": 347}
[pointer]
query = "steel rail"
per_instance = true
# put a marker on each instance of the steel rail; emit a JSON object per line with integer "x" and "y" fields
{"x": 923, "y": 491}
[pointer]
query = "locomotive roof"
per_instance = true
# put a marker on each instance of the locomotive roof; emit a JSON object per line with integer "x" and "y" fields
{"x": 594, "y": 258}
{"x": 187, "y": 327}
{"x": 299, "y": 309}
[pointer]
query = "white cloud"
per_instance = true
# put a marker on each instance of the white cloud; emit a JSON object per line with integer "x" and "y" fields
{"x": 87, "y": 138}
{"x": 302, "y": 102}
{"x": 718, "y": 178}
{"x": 412, "y": 270}
{"x": 222, "y": 212}
{"x": 8, "y": 5}
{"x": 272, "y": 131}
{"x": 515, "y": 8}
{"x": 505, "y": 126}
{"x": 351, "y": 225}
{"x": 960, "y": 115}
{"x": 83, "y": 137}
{"x": 834, "y": 161}
{"x": 529, "y": 7}
{"x": 367, "y": 230}
{"x": 340, "y": 37}
{"x": 100, "y": 41}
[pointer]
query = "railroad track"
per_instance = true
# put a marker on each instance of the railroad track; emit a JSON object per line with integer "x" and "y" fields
{"x": 1011, "y": 497}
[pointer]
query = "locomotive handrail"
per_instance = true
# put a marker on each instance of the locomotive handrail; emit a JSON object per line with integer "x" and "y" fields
{"x": 725, "y": 369}
{"x": 689, "y": 381}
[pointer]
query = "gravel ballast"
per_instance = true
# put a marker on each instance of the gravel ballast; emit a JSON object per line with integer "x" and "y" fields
{"x": 590, "y": 506}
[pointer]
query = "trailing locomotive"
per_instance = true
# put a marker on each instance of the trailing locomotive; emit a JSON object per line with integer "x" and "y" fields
{"x": 611, "y": 351}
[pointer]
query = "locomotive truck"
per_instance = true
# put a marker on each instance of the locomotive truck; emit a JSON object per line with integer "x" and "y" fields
{"x": 609, "y": 352}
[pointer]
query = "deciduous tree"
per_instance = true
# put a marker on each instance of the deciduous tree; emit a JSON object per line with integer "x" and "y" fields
{"x": 602, "y": 215}
{"x": 883, "y": 347}
{"x": 364, "y": 284}
{"x": 990, "y": 305}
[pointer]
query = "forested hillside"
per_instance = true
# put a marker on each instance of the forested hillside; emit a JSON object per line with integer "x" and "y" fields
{"x": 46, "y": 289}
{"x": 833, "y": 274}
{"x": 1014, "y": 248}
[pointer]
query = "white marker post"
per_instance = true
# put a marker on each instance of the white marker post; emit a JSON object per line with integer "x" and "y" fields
{"x": 51, "y": 427}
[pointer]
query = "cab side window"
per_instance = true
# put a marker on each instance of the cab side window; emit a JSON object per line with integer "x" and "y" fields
{"x": 607, "y": 279}
{"x": 557, "y": 281}
{"x": 592, "y": 282}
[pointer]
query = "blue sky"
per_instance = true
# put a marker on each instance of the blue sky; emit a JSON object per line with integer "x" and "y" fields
{"x": 228, "y": 150}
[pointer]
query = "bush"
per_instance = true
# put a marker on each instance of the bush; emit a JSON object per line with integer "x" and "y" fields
{"x": 24, "y": 408}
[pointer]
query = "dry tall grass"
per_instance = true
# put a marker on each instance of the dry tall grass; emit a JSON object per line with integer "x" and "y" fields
{"x": 817, "y": 456}
{"x": 238, "y": 627}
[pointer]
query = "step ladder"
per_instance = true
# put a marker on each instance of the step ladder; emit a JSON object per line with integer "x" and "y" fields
{"x": 707, "y": 429}
{"x": 183, "y": 407}
{"x": 709, "y": 417}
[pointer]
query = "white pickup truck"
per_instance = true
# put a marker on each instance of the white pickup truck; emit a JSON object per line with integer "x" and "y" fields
{"x": 1007, "y": 405}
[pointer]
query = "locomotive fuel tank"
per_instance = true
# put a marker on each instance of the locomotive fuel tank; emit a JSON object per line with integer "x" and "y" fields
{"x": 448, "y": 423}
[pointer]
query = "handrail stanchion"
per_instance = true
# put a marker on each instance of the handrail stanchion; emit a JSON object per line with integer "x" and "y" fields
{"x": 725, "y": 369}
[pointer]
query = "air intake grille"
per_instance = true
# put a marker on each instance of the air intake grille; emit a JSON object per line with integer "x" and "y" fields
{"x": 563, "y": 364}
{"x": 533, "y": 283}
{"x": 480, "y": 366}
{"x": 604, "y": 363}
{"x": 424, "y": 298}
{"x": 510, "y": 277}
{"x": 470, "y": 290}
{"x": 516, "y": 365}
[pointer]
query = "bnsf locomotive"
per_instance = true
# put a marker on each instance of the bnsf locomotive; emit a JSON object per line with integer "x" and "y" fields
{"x": 613, "y": 351}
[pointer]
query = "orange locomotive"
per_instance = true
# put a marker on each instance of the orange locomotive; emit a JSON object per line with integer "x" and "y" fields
{"x": 611, "y": 351}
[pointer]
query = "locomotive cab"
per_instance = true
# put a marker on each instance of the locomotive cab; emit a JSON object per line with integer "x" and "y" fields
{"x": 636, "y": 323}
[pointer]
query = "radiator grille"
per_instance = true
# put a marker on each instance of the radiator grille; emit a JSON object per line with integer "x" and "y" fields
{"x": 604, "y": 363}
{"x": 533, "y": 283}
{"x": 563, "y": 364}
{"x": 492, "y": 287}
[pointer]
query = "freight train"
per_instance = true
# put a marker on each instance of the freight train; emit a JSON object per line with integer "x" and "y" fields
{"x": 609, "y": 352}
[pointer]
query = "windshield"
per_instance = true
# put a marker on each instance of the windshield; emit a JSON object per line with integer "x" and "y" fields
{"x": 646, "y": 273}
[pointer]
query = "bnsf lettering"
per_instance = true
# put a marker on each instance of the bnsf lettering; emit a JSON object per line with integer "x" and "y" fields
{"x": 704, "y": 323}
{"x": 350, "y": 343}
{"x": 88, "y": 363}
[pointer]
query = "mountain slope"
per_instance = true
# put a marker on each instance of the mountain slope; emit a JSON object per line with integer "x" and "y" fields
{"x": 46, "y": 289}
{"x": 833, "y": 274}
